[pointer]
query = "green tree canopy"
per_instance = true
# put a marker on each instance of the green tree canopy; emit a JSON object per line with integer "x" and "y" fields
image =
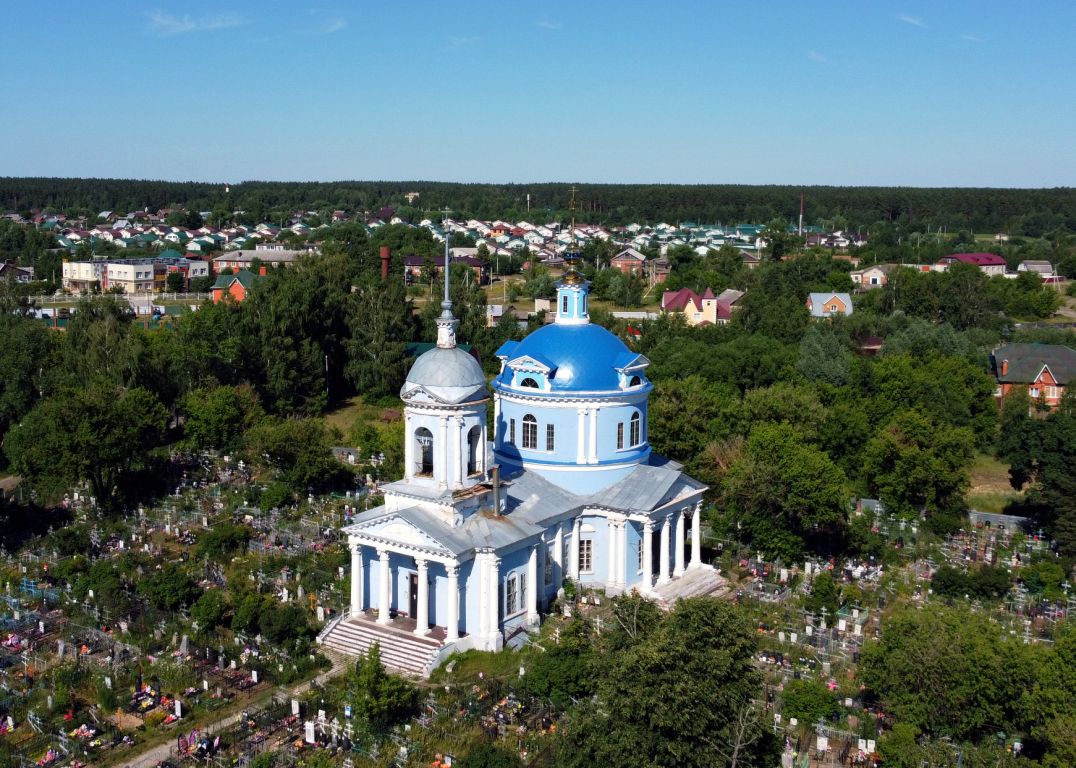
{"x": 97, "y": 434}
{"x": 787, "y": 497}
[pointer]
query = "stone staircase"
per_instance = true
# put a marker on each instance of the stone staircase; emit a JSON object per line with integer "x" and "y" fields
{"x": 695, "y": 582}
{"x": 401, "y": 651}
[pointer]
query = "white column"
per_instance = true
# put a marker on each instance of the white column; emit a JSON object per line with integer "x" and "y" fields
{"x": 483, "y": 594}
{"x": 409, "y": 447}
{"x": 622, "y": 553}
{"x": 573, "y": 566}
{"x": 422, "y": 620}
{"x": 663, "y": 566}
{"x": 696, "y": 536}
{"x": 496, "y": 413}
{"x": 614, "y": 558}
{"x": 442, "y": 458}
{"x": 385, "y": 579}
{"x": 558, "y": 554}
{"x": 581, "y": 456}
{"x": 356, "y": 579}
{"x": 452, "y": 624}
{"x": 648, "y": 555}
{"x": 495, "y": 596}
{"x": 532, "y": 586}
{"x": 593, "y": 436}
{"x": 461, "y": 456}
{"x": 681, "y": 523}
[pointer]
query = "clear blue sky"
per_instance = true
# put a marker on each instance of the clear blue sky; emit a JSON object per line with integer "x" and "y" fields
{"x": 908, "y": 92}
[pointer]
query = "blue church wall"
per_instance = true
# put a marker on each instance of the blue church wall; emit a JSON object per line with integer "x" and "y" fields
{"x": 514, "y": 563}
{"x": 596, "y": 529}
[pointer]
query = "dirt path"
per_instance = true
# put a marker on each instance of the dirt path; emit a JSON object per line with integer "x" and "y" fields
{"x": 154, "y": 755}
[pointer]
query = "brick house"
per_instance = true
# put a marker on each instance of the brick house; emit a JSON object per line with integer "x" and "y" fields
{"x": 829, "y": 304}
{"x": 1045, "y": 369}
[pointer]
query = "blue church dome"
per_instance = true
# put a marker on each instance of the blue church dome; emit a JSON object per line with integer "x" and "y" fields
{"x": 585, "y": 357}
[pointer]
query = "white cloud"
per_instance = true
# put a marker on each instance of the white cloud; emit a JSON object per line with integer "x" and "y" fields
{"x": 462, "y": 42}
{"x": 332, "y": 25}
{"x": 546, "y": 24}
{"x": 915, "y": 21}
{"x": 164, "y": 23}
{"x": 816, "y": 56}
{"x": 971, "y": 38}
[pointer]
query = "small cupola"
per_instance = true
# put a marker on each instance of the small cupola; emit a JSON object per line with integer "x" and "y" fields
{"x": 573, "y": 298}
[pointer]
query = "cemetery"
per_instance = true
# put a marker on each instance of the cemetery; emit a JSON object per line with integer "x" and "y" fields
{"x": 186, "y": 629}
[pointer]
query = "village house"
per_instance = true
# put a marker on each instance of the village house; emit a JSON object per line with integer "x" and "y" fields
{"x": 706, "y": 309}
{"x": 876, "y": 276}
{"x": 10, "y": 271}
{"x": 1043, "y": 269}
{"x": 629, "y": 260}
{"x": 990, "y": 263}
{"x": 236, "y": 285}
{"x": 264, "y": 253}
{"x": 829, "y": 304}
{"x": 1045, "y": 369}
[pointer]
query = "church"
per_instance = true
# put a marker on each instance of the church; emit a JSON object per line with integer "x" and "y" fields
{"x": 473, "y": 543}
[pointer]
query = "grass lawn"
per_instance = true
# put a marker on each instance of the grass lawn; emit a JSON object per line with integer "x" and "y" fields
{"x": 345, "y": 414}
{"x": 990, "y": 490}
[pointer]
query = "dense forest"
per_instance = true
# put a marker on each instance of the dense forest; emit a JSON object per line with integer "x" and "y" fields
{"x": 1030, "y": 212}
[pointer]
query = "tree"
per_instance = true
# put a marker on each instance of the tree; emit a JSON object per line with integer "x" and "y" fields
{"x": 24, "y": 355}
{"x": 673, "y": 698}
{"x": 779, "y": 241}
{"x": 687, "y": 413}
{"x": 217, "y": 417}
{"x": 98, "y": 434}
{"x": 787, "y": 497}
{"x": 210, "y": 610}
{"x": 176, "y": 282}
{"x": 809, "y": 701}
{"x": 823, "y": 357}
{"x": 380, "y": 698}
{"x": 914, "y": 464}
{"x": 947, "y": 671}
{"x": 299, "y": 449}
{"x": 380, "y": 321}
{"x": 825, "y": 595}
{"x": 169, "y": 588}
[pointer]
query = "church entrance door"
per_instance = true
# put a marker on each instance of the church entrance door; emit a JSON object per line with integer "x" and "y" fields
{"x": 655, "y": 552}
{"x": 412, "y": 595}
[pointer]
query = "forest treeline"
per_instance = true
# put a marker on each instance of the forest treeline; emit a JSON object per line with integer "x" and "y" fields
{"x": 1031, "y": 212}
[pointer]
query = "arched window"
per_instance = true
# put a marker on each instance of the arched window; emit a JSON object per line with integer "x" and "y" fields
{"x": 529, "y": 382}
{"x": 564, "y": 304}
{"x": 585, "y": 302}
{"x": 423, "y": 452}
{"x": 530, "y": 432}
{"x": 474, "y": 450}
{"x": 620, "y": 436}
{"x": 635, "y": 381}
{"x": 636, "y": 423}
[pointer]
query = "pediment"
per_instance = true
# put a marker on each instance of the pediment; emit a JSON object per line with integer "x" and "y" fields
{"x": 632, "y": 363}
{"x": 394, "y": 529}
{"x": 531, "y": 363}
{"x": 419, "y": 394}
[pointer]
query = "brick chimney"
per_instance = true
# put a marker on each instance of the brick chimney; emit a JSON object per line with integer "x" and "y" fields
{"x": 1004, "y": 367}
{"x": 262, "y": 270}
{"x": 385, "y": 252}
